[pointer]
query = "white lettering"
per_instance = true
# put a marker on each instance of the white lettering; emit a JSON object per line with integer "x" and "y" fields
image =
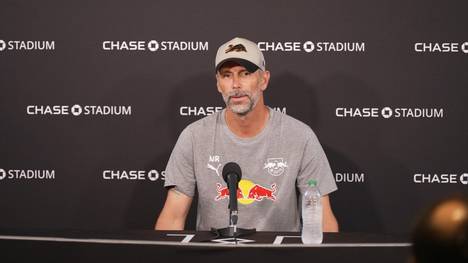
{"x": 214, "y": 158}
{"x": 278, "y": 109}
{"x": 279, "y": 46}
{"x": 47, "y": 110}
{"x": 31, "y": 45}
{"x": 357, "y": 112}
{"x": 197, "y": 111}
{"x": 436, "y": 47}
{"x": 124, "y": 175}
{"x": 107, "y": 110}
{"x": 124, "y": 45}
{"x": 435, "y": 178}
{"x": 349, "y": 177}
{"x": 419, "y": 113}
{"x": 184, "y": 46}
{"x": 31, "y": 174}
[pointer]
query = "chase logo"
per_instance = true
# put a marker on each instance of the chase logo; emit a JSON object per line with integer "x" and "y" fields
{"x": 388, "y": 112}
{"x": 153, "y": 175}
{"x": 441, "y": 47}
{"x": 464, "y": 178}
{"x": 2, "y": 45}
{"x": 133, "y": 175}
{"x": 444, "y": 178}
{"x": 2, "y": 174}
{"x": 465, "y": 47}
{"x": 310, "y": 46}
{"x": 153, "y": 45}
{"x": 78, "y": 110}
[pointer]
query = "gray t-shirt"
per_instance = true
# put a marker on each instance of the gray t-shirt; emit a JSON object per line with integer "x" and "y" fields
{"x": 276, "y": 165}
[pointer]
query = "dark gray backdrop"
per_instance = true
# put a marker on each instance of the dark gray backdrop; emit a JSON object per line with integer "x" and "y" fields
{"x": 384, "y": 153}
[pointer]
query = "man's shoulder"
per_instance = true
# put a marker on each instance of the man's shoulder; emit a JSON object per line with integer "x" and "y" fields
{"x": 294, "y": 127}
{"x": 203, "y": 125}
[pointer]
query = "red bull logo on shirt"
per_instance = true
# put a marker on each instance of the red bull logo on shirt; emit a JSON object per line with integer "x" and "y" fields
{"x": 223, "y": 192}
{"x": 248, "y": 192}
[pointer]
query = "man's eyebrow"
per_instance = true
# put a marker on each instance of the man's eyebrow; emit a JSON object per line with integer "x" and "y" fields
{"x": 226, "y": 70}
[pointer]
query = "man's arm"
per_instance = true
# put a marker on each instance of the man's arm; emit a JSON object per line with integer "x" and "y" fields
{"x": 174, "y": 212}
{"x": 329, "y": 221}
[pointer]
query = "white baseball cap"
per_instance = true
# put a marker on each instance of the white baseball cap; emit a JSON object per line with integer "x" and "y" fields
{"x": 242, "y": 51}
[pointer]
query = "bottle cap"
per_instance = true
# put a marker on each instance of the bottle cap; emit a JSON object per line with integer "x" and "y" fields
{"x": 312, "y": 182}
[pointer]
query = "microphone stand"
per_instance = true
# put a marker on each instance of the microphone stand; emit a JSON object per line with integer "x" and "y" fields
{"x": 233, "y": 212}
{"x": 233, "y": 230}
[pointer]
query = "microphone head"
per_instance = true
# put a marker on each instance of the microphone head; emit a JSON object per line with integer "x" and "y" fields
{"x": 232, "y": 168}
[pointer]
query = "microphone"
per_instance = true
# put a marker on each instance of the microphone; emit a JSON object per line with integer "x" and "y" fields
{"x": 232, "y": 174}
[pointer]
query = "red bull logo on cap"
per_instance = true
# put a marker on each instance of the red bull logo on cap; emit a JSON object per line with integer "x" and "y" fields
{"x": 248, "y": 192}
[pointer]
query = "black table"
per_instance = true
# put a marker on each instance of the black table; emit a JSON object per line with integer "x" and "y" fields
{"x": 189, "y": 246}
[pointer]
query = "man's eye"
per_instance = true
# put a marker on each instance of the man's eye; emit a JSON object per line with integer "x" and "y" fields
{"x": 246, "y": 73}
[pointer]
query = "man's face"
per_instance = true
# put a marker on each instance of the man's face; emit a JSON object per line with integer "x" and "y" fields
{"x": 241, "y": 89}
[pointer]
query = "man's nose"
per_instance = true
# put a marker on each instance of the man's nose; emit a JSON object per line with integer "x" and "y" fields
{"x": 236, "y": 82}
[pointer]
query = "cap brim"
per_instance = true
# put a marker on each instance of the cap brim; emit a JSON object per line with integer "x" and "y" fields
{"x": 251, "y": 67}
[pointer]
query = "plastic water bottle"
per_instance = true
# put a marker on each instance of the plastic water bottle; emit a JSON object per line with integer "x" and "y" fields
{"x": 312, "y": 215}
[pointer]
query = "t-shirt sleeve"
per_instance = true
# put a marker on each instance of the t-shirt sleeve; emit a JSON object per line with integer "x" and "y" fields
{"x": 180, "y": 167}
{"x": 314, "y": 165}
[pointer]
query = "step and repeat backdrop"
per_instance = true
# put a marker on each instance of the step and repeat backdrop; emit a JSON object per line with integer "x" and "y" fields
{"x": 93, "y": 96}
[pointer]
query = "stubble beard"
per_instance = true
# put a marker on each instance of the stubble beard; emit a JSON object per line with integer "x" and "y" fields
{"x": 241, "y": 109}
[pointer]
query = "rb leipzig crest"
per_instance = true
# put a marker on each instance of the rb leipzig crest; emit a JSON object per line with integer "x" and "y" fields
{"x": 275, "y": 166}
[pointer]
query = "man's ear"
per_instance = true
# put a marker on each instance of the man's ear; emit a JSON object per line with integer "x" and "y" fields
{"x": 217, "y": 83}
{"x": 265, "y": 79}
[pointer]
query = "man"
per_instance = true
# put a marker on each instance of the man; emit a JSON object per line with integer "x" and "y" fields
{"x": 441, "y": 235}
{"x": 277, "y": 155}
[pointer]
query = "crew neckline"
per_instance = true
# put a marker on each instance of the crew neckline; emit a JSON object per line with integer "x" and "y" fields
{"x": 248, "y": 140}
